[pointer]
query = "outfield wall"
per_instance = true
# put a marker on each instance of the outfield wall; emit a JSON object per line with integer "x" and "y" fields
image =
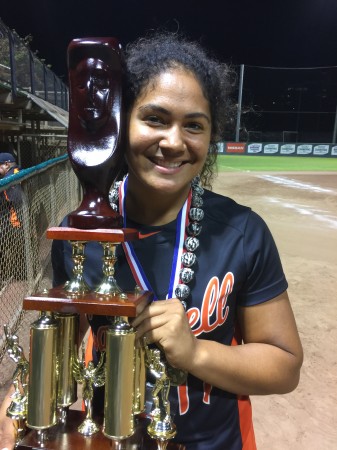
{"x": 278, "y": 148}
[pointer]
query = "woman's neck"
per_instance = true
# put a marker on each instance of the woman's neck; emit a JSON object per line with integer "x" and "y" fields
{"x": 150, "y": 208}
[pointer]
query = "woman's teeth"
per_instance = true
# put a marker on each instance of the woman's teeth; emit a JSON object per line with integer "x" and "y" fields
{"x": 168, "y": 164}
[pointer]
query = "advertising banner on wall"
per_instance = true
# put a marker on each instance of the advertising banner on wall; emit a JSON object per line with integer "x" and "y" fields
{"x": 278, "y": 148}
{"x": 235, "y": 147}
{"x": 287, "y": 149}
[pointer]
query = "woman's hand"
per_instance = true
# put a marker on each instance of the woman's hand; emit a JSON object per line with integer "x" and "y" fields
{"x": 164, "y": 322}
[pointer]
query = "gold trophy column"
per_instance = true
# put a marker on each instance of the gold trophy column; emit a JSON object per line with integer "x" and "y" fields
{"x": 42, "y": 384}
{"x": 119, "y": 382}
{"x": 66, "y": 353}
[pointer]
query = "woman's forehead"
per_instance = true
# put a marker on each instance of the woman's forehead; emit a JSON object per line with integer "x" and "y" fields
{"x": 175, "y": 79}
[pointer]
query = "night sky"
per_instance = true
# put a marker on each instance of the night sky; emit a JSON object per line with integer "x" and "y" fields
{"x": 282, "y": 33}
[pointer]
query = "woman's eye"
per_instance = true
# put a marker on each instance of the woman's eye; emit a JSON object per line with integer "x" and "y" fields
{"x": 194, "y": 126}
{"x": 153, "y": 120}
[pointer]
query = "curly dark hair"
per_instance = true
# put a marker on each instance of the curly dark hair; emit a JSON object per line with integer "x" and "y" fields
{"x": 150, "y": 56}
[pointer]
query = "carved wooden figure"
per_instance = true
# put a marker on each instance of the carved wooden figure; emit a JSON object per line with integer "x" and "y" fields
{"x": 95, "y": 144}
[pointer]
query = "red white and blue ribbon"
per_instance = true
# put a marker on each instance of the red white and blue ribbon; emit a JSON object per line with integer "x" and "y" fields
{"x": 133, "y": 261}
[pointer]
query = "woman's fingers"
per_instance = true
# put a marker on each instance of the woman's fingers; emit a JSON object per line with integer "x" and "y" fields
{"x": 165, "y": 323}
{"x": 159, "y": 314}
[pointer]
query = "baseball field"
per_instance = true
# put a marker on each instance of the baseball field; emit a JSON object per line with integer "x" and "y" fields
{"x": 297, "y": 197}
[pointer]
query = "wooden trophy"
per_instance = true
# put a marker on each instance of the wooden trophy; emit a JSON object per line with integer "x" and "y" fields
{"x": 96, "y": 151}
{"x": 95, "y": 140}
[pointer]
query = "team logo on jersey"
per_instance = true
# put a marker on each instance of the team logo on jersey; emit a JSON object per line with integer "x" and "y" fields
{"x": 214, "y": 303}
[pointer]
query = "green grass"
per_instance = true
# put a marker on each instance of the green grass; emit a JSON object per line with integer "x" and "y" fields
{"x": 231, "y": 163}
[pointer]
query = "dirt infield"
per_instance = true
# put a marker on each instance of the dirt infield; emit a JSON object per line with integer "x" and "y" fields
{"x": 301, "y": 211}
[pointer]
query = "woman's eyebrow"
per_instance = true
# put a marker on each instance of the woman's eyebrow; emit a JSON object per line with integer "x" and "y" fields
{"x": 198, "y": 115}
{"x": 156, "y": 108}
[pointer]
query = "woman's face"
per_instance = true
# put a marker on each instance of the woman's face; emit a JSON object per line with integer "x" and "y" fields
{"x": 169, "y": 133}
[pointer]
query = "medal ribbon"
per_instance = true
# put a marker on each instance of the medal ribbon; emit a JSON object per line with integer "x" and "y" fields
{"x": 133, "y": 261}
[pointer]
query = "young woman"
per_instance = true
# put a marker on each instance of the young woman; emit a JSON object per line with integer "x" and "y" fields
{"x": 222, "y": 312}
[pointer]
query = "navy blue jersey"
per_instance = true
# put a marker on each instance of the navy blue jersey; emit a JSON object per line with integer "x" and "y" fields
{"x": 237, "y": 264}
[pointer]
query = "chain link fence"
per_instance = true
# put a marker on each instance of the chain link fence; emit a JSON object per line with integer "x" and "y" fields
{"x": 28, "y": 207}
{"x": 34, "y": 149}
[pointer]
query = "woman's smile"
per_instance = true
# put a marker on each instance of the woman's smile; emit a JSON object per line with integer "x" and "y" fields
{"x": 166, "y": 164}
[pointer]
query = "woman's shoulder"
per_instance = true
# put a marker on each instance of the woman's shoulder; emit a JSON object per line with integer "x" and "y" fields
{"x": 224, "y": 209}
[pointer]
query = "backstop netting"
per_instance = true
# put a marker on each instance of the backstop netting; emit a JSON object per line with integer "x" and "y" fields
{"x": 37, "y": 199}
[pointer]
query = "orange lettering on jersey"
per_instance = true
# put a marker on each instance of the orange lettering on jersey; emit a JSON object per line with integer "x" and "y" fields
{"x": 100, "y": 338}
{"x": 184, "y": 401}
{"x": 207, "y": 393}
{"x": 215, "y": 300}
{"x": 193, "y": 315}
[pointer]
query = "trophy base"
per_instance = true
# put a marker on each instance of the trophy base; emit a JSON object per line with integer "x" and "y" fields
{"x": 66, "y": 437}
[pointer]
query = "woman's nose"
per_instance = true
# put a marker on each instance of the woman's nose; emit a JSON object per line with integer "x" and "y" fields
{"x": 173, "y": 139}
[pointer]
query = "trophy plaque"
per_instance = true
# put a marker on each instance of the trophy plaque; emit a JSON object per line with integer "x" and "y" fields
{"x": 46, "y": 384}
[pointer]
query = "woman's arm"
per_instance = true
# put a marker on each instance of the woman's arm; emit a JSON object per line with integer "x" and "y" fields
{"x": 269, "y": 361}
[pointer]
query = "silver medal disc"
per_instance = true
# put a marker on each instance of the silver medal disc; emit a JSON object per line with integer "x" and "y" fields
{"x": 188, "y": 259}
{"x": 197, "y": 201}
{"x": 194, "y": 228}
{"x": 182, "y": 291}
{"x": 191, "y": 244}
{"x": 196, "y": 214}
{"x": 186, "y": 275}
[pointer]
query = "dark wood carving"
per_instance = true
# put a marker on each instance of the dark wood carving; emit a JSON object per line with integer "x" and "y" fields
{"x": 95, "y": 141}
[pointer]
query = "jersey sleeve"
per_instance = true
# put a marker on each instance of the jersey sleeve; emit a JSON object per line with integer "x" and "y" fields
{"x": 265, "y": 277}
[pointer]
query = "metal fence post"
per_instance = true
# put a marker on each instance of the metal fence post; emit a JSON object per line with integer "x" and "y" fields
{"x": 238, "y": 116}
{"x": 12, "y": 63}
{"x": 334, "y": 134}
